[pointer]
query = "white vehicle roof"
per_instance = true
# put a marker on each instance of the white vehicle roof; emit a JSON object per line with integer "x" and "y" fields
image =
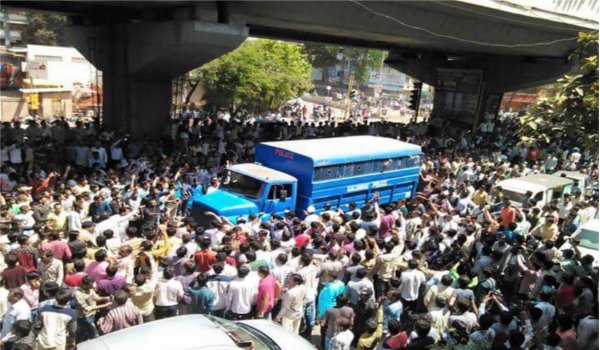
{"x": 534, "y": 183}
{"x": 572, "y": 174}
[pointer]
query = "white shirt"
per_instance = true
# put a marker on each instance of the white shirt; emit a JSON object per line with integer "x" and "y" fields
{"x": 240, "y": 295}
{"x": 410, "y": 281}
{"x": 108, "y": 224}
{"x": 15, "y": 154}
{"x": 548, "y": 311}
{"x": 74, "y": 220}
{"x": 310, "y": 274}
{"x": 168, "y": 293}
{"x": 16, "y": 312}
{"x": 220, "y": 288}
{"x": 342, "y": 340}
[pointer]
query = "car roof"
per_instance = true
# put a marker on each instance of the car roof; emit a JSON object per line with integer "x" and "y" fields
{"x": 572, "y": 174}
{"x": 183, "y": 333}
{"x": 537, "y": 182}
{"x": 262, "y": 173}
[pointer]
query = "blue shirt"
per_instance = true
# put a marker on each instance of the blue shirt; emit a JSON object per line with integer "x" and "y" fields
{"x": 328, "y": 295}
{"x": 202, "y": 300}
{"x": 391, "y": 311}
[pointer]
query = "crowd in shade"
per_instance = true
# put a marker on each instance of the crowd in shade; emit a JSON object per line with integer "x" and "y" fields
{"x": 96, "y": 236}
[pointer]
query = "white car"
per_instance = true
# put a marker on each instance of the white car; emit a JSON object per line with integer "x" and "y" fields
{"x": 587, "y": 238}
{"x": 192, "y": 332}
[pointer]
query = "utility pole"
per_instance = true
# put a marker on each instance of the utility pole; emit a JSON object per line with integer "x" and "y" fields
{"x": 380, "y": 86}
{"x": 348, "y": 98}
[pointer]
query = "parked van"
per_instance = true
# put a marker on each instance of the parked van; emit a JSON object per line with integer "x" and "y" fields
{"x": 582, "y": 181}
{"x": 543, "y": 188}
{"x": 308, "y": 175}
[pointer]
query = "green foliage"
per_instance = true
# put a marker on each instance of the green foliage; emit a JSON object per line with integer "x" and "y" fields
{"x": 363, "y": 61}
{"x": 321, "y": 56}
{"x": 260, "y": 75}
{"x": 45, "y": 29}
{"x": 570, "y": 108}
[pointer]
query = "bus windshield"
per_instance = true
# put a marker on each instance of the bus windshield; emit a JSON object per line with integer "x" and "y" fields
{"x": 243, "y": 185}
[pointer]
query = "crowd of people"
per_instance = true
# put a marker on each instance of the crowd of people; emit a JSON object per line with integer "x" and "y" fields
{"x": 96, "y": 236}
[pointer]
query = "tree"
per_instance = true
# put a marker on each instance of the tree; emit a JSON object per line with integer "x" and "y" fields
{"x": 321, "y": 56}
{"x": 45, "y": 29}
{"x": 569, "y": 111}
{"x": 193, "y": 79}
{"x": 362, "y": 62}
{"x": 260, "y": 75}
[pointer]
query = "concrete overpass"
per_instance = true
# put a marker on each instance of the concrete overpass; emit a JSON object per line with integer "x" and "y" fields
{"x": 141, "y": 46}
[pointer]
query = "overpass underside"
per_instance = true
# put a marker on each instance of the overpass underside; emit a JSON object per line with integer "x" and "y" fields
{"x": 470, "y": 51}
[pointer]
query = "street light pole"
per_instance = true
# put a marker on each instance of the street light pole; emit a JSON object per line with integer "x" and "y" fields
{"x": 347, "y": 106}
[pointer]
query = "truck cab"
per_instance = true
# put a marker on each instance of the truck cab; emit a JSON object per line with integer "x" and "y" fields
{"x": 251, "y": 189}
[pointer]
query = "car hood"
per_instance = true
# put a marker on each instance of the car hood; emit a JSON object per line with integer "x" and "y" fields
{"x": 227, "y": 204}
{"x": 285, "y": 339}
{"x": 171, "y": 333}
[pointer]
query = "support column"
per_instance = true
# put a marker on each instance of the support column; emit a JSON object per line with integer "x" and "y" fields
{"x": 480, "y": 78}
{"x": 139, "y": 60}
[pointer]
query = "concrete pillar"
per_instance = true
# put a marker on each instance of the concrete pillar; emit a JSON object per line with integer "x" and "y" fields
{"x": 499, "y": 74}
{"x": 139, "y": 61}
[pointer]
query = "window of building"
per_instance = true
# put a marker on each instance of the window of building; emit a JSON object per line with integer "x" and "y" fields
{"x": 48, "y": 58}
{"x": 78, "y": 60}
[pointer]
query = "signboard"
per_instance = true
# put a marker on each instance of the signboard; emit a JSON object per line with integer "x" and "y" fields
{"x": 457, "y": 94}
{"x": 390, "y": 79}
{"x": 37, "y": 69}
{"x": 34, "y": 101}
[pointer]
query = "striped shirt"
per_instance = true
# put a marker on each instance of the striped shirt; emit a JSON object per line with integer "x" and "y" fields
{"x": 121, "y": 317}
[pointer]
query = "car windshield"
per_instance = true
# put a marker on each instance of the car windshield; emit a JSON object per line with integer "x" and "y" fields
{"x": 514, "y": 196}
{"x": 245, "y": 336}
{"x": 588, "y": 239}
{"x": 243, "y": 185}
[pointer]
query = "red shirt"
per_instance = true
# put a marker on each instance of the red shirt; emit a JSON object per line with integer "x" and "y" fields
{"x": 204, "y": 260}
{"x": 266, "y": 288}
{"x": 60, "y": 250}
{"x": 508, "y": 216}
{"x": 566, "y": 295}
{"x": 75, "y": 279}
{"x": 301, "y": 240}
{"x": 231, "y": 261}
{"x": 398, "y": 341}
{"x": 14, "y": 277}
{"x": 27, "y": 257}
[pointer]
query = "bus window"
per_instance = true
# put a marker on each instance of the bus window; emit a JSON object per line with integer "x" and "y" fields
{"x": 412, "y": 161}
{"x": 328, "y": 173}
{"x": 387, "y": 165}
{"x": 361, "y": 168}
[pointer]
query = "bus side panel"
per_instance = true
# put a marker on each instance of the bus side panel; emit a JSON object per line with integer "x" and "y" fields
{"x": 339, "y": 193}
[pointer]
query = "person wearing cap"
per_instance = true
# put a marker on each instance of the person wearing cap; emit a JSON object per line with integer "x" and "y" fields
{"x": 311, "y": 215}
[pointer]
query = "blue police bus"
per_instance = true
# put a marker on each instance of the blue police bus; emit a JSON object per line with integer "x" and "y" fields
{"x": 295, "y": 175}
{"x": 343, "y": 170}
